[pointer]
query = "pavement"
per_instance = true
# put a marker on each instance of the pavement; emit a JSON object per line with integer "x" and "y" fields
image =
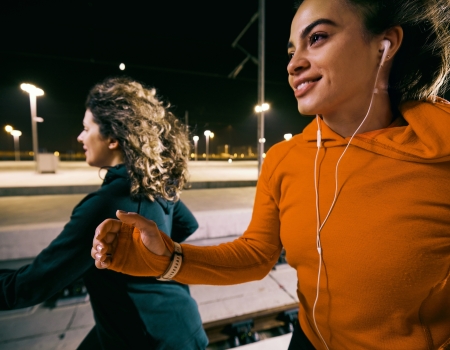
{"x": 21, "y": 178}
{"x": 31, "y": 220}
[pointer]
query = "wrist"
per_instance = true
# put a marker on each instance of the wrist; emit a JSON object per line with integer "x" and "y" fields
{"x": 175, "y": 264}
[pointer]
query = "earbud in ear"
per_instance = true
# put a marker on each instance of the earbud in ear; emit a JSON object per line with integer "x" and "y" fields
{"x": 386, "y": 45}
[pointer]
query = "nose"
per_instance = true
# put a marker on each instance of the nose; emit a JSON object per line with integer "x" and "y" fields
{"x": 80, "y": 137}
{"x": 297, "y": 63}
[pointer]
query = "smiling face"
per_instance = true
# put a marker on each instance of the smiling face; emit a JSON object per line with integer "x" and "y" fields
{"x": 100, "y": 151}
{"x": 332, "y": 68}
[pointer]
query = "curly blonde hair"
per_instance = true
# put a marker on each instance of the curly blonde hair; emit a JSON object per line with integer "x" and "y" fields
{"x": 154, "y": 143}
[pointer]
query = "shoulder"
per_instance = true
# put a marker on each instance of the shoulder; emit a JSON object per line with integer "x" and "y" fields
{"x": 278, "y": 153}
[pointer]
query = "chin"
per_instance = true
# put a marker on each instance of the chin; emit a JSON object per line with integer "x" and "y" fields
{"x": 306, "y": 109}
{"x": 90, "y": 162}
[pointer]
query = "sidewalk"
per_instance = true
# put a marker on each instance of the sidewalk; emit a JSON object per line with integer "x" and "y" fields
{"x": 21, "y": 179}
{"x": 30, "y": 220}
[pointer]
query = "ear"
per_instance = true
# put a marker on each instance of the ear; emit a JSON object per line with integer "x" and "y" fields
{"x": 395, "y": 36}
{"x": 113, "y": 144}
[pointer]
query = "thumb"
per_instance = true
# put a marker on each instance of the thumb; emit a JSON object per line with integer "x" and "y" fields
{"x": 136, "y": 220}
{"x": 150, "y": 236}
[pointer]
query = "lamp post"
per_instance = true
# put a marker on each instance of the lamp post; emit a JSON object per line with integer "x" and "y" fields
{"x": 261, "y": 78}
{"x": 33, "y": 91}
{"x": 195, "y": 138}
{"x": 208, "y": 134}
{"x": 260, "y": 109}
{"x": 16, "y": 134}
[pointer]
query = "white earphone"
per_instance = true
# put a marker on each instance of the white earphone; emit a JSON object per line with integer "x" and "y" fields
{"x": 386, "y": 45}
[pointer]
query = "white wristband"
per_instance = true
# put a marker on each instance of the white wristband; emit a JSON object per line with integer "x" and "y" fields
{"x": 175, "y": 264}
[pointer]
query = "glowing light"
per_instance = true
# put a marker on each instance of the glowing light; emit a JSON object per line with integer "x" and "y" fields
{"x": 32, "y": 90}
{"x": 56, "y": 153}
{"x": 262, "y": 140}
{"x": 39, "y": 119}
{"x": 16, "y": 133}
{"x": 192, "y": 155}
{"x": 230, "y": 160}
{"x": 287, "y": 137}
{"x": 8, "y": 128}
{"x": 264, "y": 107}
{"x": 264, "y": 155}
{"x": 122, "y": 66}
{"x": 211, "y": 135}
{"x": 207, "y": 133}
{"x": 195, "y": 138}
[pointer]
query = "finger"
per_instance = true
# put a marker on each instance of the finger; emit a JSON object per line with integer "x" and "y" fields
{"x": 102, "y": 264}
{"x": 136, "y": 220}
{"x": 106, "y": 247}
{"x": 107, "y": 226}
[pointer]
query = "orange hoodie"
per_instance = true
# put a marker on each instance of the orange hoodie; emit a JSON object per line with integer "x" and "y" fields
{"x": 386, "y": 244}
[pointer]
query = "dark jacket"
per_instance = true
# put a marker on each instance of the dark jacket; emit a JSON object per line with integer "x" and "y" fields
{"x": 130, "y": 312}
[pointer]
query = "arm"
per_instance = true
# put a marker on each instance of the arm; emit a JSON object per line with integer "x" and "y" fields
{"x": 144, "y": 252}
{"x": 65, "y": 260}
{"x": 184, "y": 222}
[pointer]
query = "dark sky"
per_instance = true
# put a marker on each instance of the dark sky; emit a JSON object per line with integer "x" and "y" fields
{"x": 183, "y": 48}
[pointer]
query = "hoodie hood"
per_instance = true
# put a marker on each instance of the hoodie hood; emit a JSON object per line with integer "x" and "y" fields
{"x": 421, "y": 134}
{"x": 118, "y": 171}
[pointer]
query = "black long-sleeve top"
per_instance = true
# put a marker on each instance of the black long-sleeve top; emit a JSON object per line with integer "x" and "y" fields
{"x": 130, "y": 312}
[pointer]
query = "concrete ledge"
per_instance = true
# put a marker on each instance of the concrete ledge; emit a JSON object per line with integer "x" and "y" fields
{"x": 34, "y": 238}
{"x": 81, "y": 189}
{"x": 219, "y": 184}
{"x": 46, "y": 190}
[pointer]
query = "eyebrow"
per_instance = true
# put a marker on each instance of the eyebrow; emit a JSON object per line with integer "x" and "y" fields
{"x": 310, "y": 27}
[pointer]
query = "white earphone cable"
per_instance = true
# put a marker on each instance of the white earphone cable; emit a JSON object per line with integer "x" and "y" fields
{"x": 316, "y": 185}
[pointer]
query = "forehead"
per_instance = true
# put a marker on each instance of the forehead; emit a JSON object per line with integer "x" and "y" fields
{"x": 338, "y": 11}
{"x": 88, "y": 117}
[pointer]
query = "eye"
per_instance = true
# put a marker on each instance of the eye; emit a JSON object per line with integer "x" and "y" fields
{"x": 290, "y": 55}
{"x": 316, "y": 37}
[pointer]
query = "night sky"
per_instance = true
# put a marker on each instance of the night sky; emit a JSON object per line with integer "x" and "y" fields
{"x": 183, "y": 48}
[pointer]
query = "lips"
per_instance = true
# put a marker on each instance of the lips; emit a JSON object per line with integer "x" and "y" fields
{"x": 302, "y": 86}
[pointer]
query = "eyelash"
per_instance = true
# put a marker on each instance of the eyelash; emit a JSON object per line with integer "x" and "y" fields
{"x": 317, "y": 36}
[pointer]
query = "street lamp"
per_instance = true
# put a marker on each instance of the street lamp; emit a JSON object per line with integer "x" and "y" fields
{"x": 16, "y": 134}
{"x": 264, "y": 107}
{"x": 195, "y": 145}
{"x": 287, "y": 137}
{"x": 33, "y": 91}
{"x": 260, "y": 109}
{"x": 8, "y": 128}
{"x": 208, "y": 134}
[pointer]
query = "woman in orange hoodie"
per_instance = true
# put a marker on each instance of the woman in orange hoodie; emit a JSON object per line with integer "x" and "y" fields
{"x": 360, "y": 200}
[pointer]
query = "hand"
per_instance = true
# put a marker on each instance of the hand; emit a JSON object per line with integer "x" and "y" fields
{"x": 105, "y": 239}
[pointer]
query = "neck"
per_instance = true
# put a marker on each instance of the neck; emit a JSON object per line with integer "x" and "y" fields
{"x": 379, "y": 117}
{"x": 117, "y": 159}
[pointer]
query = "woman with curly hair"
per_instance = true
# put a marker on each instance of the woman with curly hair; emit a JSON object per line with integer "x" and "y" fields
{"x": 360, "y": 200}
{"x": 129, "y": 131}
